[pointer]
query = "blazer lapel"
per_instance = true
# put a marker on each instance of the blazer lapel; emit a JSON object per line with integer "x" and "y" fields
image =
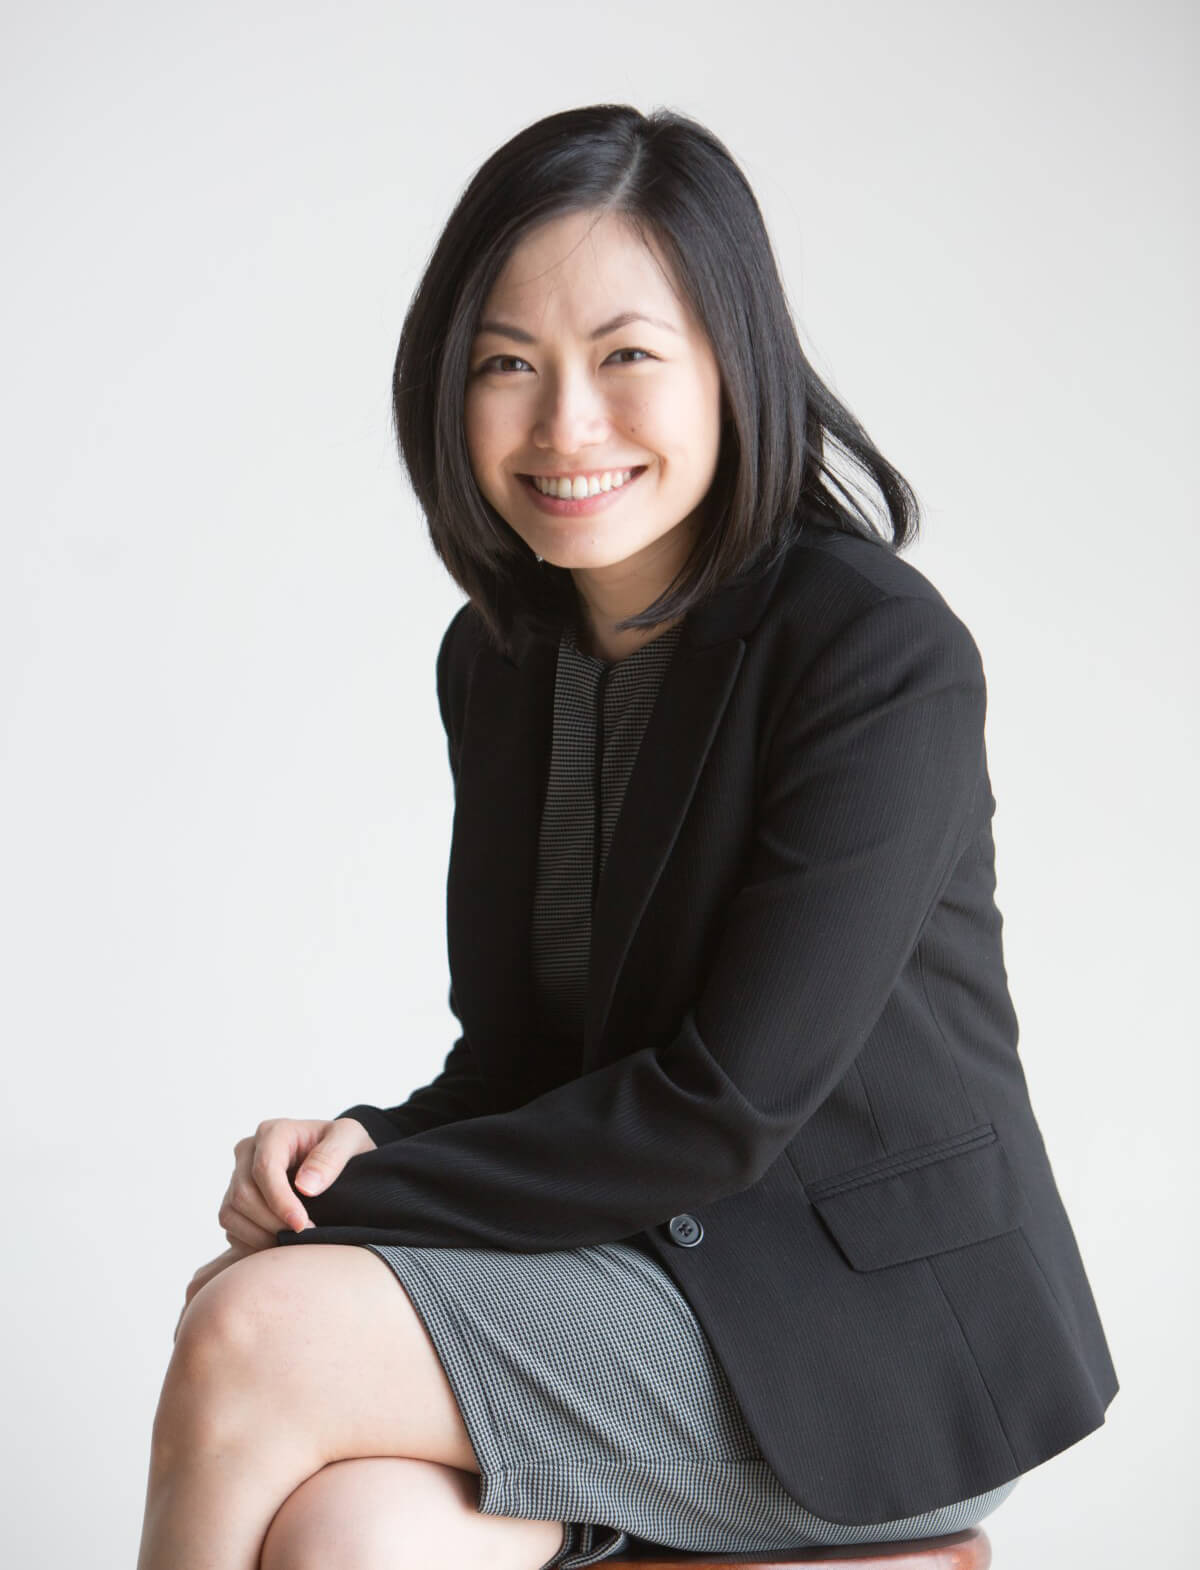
{"x": 502, "y": 776}
{"x": 687, "y": 712}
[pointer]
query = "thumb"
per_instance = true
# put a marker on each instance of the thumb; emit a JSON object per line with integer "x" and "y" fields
{"x": 319, "y": 1169}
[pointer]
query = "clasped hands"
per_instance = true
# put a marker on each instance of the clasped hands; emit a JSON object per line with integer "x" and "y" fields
{"x": 260, "y": 1201}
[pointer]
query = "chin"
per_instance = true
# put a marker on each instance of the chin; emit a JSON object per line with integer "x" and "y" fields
{"x": 592, "y": 553}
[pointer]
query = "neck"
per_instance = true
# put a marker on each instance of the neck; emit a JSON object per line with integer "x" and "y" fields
{"x": 605, "y": 596}
{"x": 606, "y": 643}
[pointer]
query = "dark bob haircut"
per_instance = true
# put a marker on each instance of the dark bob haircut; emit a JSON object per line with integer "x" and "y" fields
{"x": 673, "y": 181}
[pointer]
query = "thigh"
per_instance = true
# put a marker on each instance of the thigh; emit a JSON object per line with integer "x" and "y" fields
{"x": 327, "y": 1338}
{"x": 399, "y": 1513}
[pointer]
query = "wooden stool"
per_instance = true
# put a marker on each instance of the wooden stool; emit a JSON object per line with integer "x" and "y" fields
{"x": 966, "y": 1550}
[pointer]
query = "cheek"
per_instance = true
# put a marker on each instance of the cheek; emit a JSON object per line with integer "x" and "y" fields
{"x": 489, "y": 436}
{"x": 474, "y": 432}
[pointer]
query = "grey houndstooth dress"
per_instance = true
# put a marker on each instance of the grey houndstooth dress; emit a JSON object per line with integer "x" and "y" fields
{"x": 590, "y": 1392}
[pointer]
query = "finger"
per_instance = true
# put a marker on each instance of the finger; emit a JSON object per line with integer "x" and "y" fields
{"x": 244, "y": 1213}
{"x": 273, "y": 1154}
{"x": 259, "y": 1190}
{"x": 245, "y": 1216}
{"x": 323, "y": 1163}
{"x": 247, "y": 1233}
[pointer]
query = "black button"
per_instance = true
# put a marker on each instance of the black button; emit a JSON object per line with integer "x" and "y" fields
{"x": 685, "y": 1230}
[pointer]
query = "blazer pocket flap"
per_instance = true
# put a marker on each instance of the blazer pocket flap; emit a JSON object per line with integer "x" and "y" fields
{"x": 922, "y": 1201}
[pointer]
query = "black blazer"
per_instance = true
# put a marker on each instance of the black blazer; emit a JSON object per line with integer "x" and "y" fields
{"x": 799, "y": 1078}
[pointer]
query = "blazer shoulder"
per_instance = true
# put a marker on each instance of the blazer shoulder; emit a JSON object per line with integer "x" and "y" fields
{"x": 832, "y": 580}
{"x": 464, "y": 636}
{"x": 867, "y": 567}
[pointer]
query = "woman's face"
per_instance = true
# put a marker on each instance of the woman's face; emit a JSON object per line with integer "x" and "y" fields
{"x": 556, "y": 389}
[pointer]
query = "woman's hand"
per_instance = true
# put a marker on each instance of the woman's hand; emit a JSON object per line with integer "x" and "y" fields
{"x": 259, "y": 1200}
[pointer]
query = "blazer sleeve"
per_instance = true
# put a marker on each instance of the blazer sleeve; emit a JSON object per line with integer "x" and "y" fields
{"x": 869, "y": 785}
{"x": 460, "y": 1090}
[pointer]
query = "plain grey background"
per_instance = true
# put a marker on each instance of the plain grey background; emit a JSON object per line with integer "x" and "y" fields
{"x": 225, "y": 799}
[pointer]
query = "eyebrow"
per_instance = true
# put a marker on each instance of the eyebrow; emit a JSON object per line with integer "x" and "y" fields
{"x": 518, "y": 335}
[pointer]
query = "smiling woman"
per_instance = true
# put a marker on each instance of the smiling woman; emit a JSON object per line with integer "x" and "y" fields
{"x": 727, "y": 1224}
{"x": 627, "y": 433}
{"x": 658, "y": 337}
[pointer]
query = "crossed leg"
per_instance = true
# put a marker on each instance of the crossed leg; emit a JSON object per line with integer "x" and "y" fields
{"x": 381, "y": 1514}
{"x": 305, "y": 1419}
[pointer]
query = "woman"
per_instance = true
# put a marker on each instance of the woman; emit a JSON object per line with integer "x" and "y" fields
{"x": 727, "y": 1224}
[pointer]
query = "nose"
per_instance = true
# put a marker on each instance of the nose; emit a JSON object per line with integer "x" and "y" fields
{"x": 572, "y": 414}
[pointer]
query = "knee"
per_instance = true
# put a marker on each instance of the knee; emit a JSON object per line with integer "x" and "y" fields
{"x": 302, "y": 1532}
{"x": 219, "y": 1344}
{"x": 364, "y": 1512}
{"x": 223, "y": 1319}
{"x": 398, "y": 1514}
{"x": 233, "y": 1315}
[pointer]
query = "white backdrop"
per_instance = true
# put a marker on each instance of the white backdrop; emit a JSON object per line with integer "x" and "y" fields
{"x": 225, "y": 796}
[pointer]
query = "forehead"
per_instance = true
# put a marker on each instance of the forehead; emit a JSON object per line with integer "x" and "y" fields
{"x": 572, "y": 267}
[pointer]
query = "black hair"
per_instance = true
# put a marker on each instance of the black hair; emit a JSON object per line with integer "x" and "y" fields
{"x": 671, "y": 179}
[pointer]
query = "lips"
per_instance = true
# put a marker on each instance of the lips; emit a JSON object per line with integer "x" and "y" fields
{"x": 581, "y": 506}
{"x": 588, "y": 474}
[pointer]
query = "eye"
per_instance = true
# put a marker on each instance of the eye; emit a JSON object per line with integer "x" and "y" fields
{"x": 493, "y": 364}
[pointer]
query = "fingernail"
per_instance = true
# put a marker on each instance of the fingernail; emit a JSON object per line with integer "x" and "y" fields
{"x": 311, "y": 1179}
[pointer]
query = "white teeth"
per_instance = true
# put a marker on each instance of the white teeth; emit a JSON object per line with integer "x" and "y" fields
{"x": 568, "y": 489}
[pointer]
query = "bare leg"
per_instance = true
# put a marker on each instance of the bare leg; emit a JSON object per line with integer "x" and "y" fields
{"x": 385, "y": 1514}
{"x": 289, "y": 1360}
{"x": 212, "y": 1492}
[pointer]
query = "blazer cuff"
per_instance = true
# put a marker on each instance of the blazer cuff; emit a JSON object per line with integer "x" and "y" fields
{"x": 377, "y": 1123}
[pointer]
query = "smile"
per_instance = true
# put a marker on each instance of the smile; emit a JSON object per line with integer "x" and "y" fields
{"x": 579, "y": 485}
{"x": 576, "y": 495}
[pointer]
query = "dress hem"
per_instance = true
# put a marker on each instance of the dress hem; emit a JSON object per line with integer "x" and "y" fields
{"x": 543, "y": 1490}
